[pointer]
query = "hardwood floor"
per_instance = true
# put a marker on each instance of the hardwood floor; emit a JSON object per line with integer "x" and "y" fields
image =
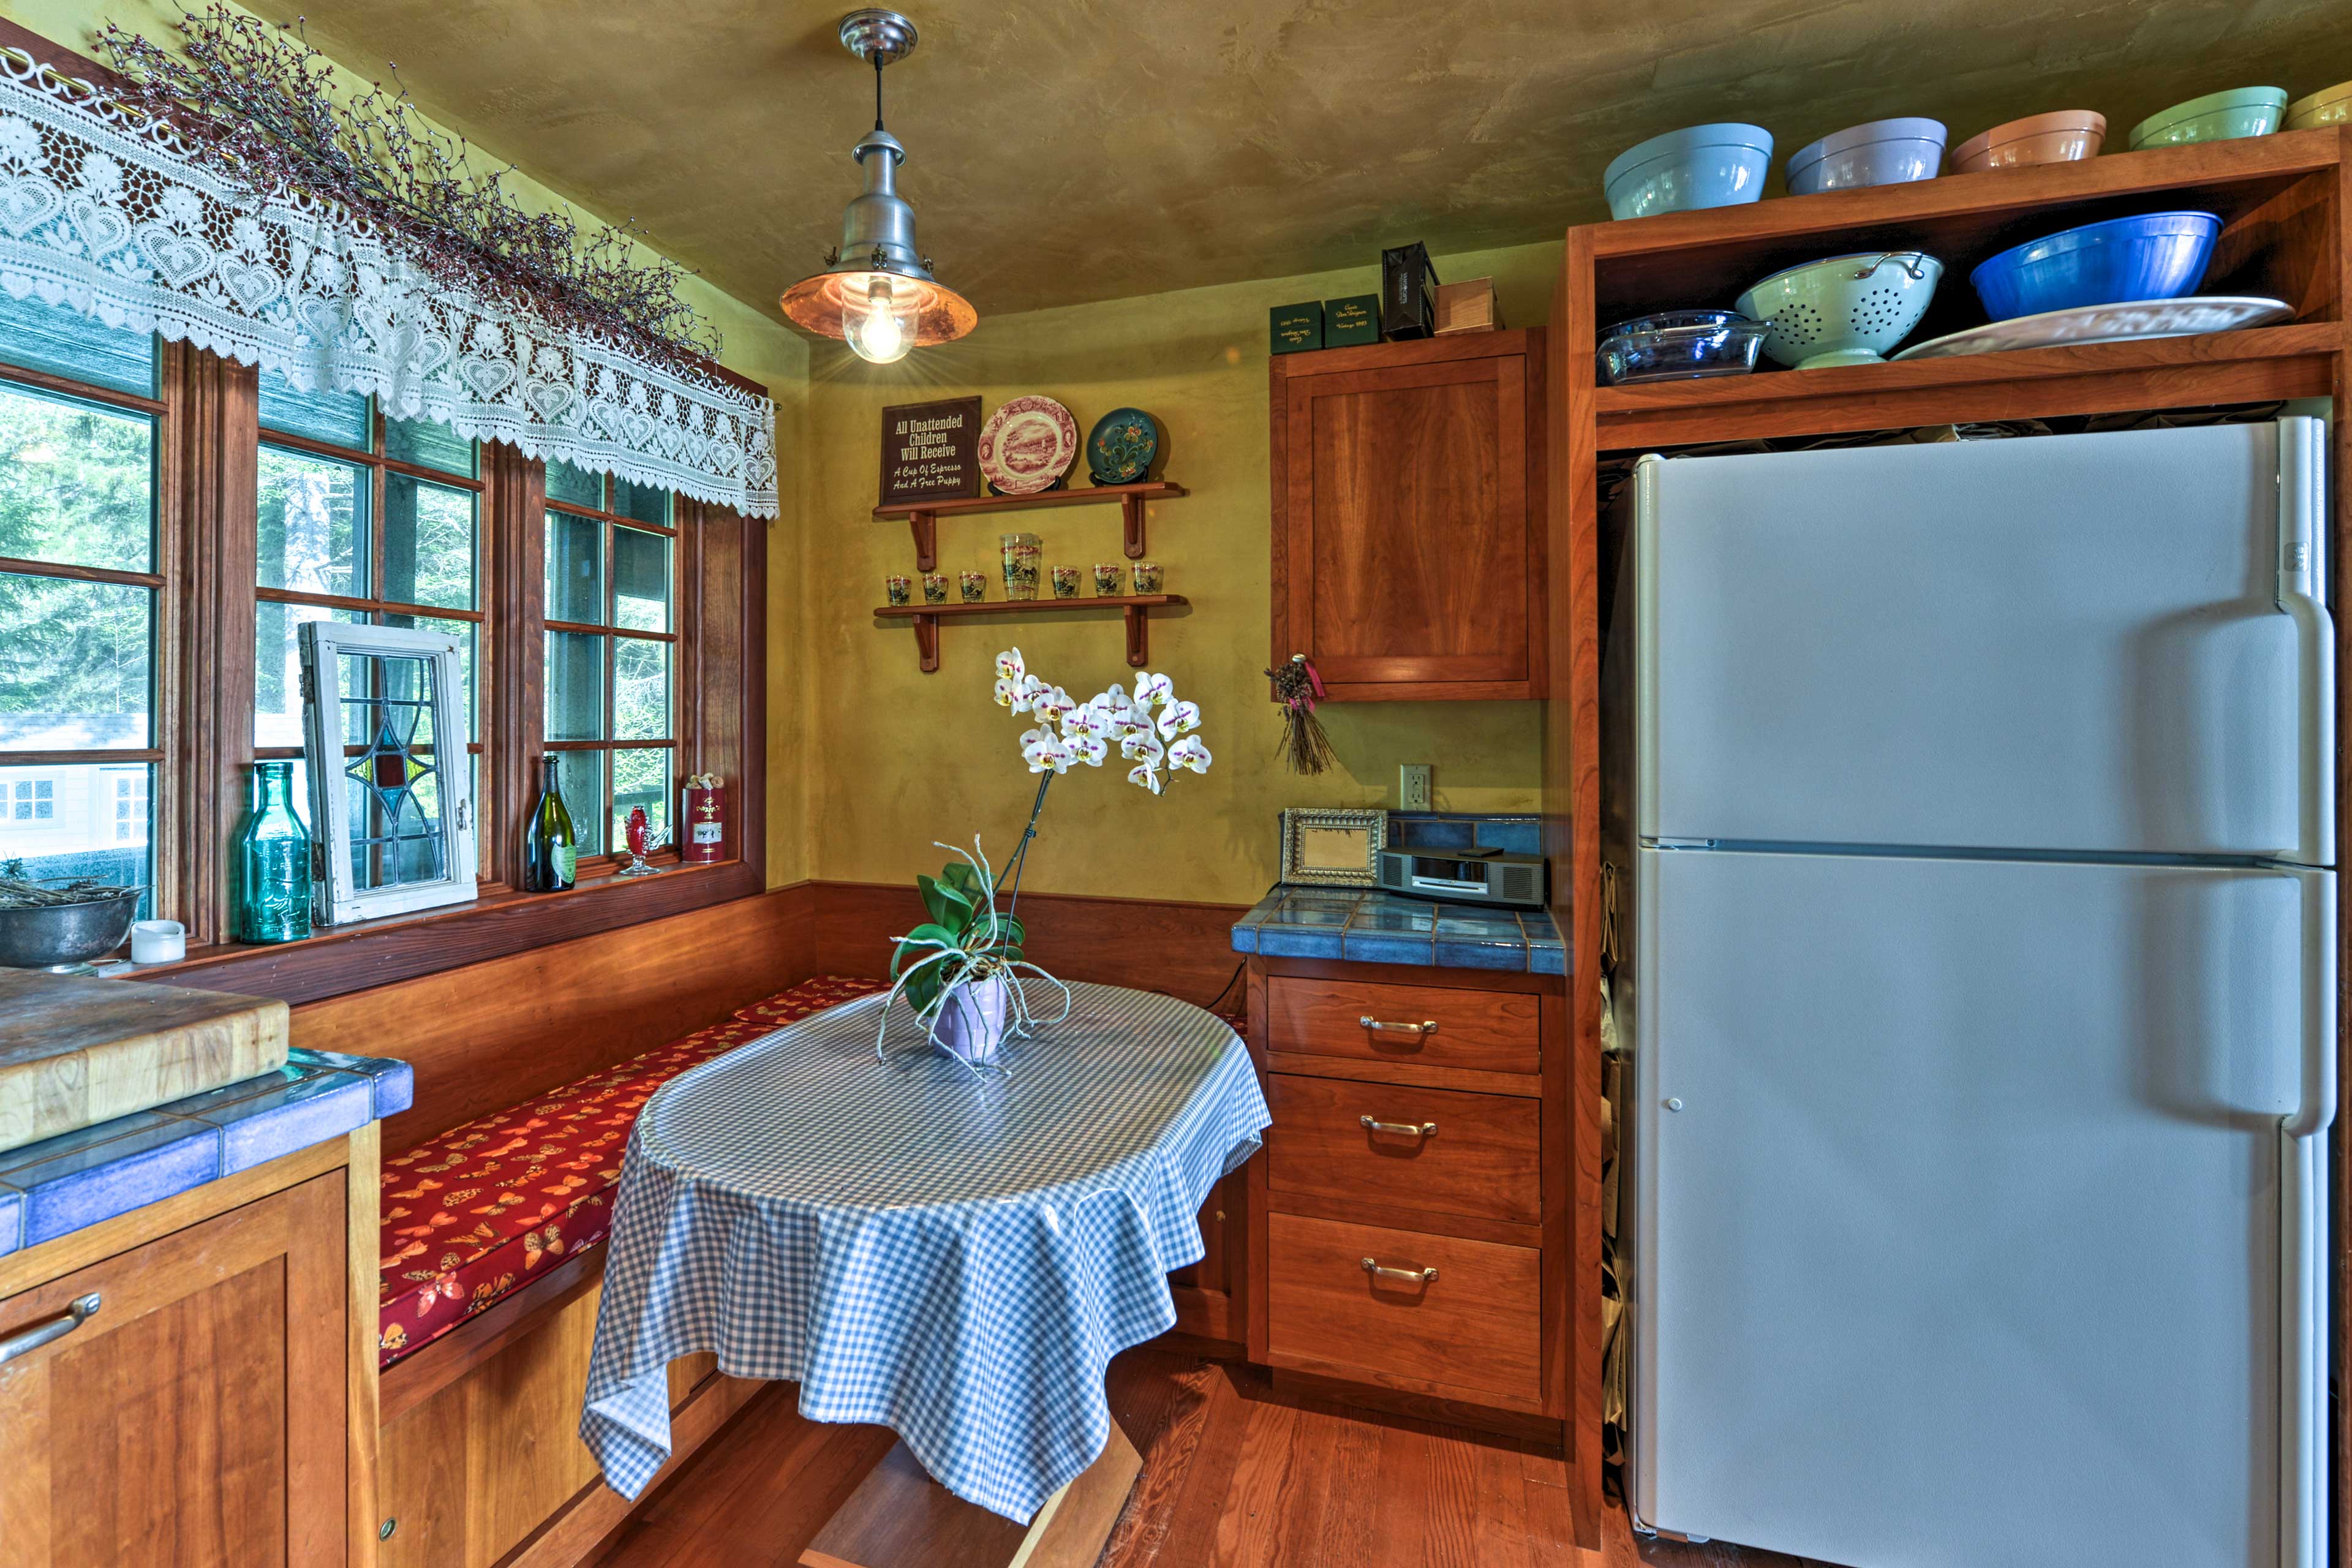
{"x": 1236, "y": 1475}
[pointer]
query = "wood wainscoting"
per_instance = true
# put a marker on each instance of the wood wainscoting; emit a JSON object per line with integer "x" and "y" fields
{"x": 481, "y": 1462}
{"x": 1185, "y": 950}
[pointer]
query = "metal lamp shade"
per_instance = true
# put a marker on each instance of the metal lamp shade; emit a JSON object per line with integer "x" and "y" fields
{"x": 818, "y": 305}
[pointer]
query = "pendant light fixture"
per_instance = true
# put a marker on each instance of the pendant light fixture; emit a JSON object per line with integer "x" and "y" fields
{"x": 876, "y": 292}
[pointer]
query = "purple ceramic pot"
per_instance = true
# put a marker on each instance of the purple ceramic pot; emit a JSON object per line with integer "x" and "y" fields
{"x": 972, "y": 1021}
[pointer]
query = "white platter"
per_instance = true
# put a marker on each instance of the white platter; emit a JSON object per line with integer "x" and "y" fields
{"x": 2109, "y": 323}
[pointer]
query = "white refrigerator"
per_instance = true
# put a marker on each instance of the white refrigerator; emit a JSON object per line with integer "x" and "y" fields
{"x": 1975, "y": 807}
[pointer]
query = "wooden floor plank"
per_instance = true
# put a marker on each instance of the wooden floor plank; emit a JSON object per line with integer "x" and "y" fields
{"x": 1236, "y": 1475}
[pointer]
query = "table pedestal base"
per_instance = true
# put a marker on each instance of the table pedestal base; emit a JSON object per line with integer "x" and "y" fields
{"x": 900, "y": 1517}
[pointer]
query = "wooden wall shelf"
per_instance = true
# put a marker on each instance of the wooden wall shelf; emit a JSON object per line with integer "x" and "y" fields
{"x": 1135, "y": 607}
{"x": 922, "y": 517}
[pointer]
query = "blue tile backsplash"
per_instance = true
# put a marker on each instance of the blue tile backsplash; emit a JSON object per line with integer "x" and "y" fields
{"x": 60, "y": 1185}
{"x": 1365, "y": 925}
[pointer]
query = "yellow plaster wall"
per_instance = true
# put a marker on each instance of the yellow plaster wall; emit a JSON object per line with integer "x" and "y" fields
{"x": 899, "y": 758}
{"x": 754, "y": 345}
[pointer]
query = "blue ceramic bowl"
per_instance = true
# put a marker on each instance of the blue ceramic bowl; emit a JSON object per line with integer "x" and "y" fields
{"x": 2157, "y": 256}
{"x": 1882, "y": 153}
{"x": 1699, "y": 167}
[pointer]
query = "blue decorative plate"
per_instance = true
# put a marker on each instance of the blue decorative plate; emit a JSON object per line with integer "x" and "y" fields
{"x": 1121, "y": 447}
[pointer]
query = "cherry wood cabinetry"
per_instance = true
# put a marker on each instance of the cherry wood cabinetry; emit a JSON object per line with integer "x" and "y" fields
{"x": 2285, "y": 204}
{"x": 1408, "y": 499}
{"x": 212, "y": 1403}
{"x": 1409, "y": 1222}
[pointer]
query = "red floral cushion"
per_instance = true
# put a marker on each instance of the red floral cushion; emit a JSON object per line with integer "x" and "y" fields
{"x": 480, "y": 1211}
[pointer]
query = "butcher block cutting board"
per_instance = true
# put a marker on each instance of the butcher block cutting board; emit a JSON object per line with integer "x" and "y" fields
{"x": 75, "y": 1050}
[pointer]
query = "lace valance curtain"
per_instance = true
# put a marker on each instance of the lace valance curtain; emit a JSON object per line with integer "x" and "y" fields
{"x": 106, "y": 215}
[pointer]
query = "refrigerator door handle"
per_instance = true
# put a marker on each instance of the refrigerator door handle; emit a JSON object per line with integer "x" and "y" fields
{"x": 2317, "y": 1108}
{"x": 2302, "y": 577}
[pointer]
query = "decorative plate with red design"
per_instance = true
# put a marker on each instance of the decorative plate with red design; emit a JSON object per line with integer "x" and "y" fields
{"x": 1027, "y": 445}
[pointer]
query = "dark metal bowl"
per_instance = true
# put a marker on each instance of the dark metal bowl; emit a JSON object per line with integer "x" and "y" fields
{"x": 66, "y": 933}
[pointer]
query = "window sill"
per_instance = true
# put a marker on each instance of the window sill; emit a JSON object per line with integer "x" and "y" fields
{"x": 353, "y": 957}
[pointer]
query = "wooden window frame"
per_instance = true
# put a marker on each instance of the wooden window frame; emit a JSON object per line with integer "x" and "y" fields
{"x": 158, "y": 581}
{"x": 380, "y": 467}
{"x": 681, "y": 640}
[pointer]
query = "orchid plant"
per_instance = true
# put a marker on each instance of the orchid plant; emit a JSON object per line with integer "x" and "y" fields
{"x": 967, "y": 940}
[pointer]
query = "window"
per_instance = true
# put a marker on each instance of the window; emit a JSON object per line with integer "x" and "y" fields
{"x": 365, "y": 520}
{"x": 134, "y": 691}
{"x": 612, "y": 652}
{"x": 131, "y": 807}
{"x": 79, "y": 590}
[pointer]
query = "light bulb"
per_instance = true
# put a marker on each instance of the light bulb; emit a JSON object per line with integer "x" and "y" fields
{"x": 880, "y": 328}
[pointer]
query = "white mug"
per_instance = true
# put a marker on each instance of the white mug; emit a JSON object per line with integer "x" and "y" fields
{"x": 158, "y": 942}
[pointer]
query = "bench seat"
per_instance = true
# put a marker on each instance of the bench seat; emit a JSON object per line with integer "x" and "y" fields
{"x": 475, "y": 1214}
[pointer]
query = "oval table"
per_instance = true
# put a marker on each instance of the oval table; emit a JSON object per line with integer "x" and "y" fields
{"x": 957, "y": 1259}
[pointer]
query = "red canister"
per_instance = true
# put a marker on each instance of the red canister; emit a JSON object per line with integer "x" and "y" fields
{"x": 704, "y": 838}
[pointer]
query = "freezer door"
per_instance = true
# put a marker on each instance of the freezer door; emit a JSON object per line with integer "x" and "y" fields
{"x": 1958, "y": 1227}
{"x": 2101, "y": 643}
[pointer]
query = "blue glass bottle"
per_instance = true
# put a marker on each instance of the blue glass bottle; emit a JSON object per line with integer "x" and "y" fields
{"x": 270, "y": 877}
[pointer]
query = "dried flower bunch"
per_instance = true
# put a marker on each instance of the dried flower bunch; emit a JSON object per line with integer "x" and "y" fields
{"x": 256, "y": 104}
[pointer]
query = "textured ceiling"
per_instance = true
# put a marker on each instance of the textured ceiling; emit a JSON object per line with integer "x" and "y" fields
{"x": 1062, "y": 152}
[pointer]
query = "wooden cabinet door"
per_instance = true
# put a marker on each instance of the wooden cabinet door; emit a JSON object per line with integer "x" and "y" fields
{"x": 195, "y": 1418}
{"x": 1408, "y": 563}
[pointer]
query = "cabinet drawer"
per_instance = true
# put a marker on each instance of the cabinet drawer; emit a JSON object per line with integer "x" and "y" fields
{"x": 1431, "y": 1025}
{"x": 1477, "y": 1326}
{"x": 1483, "y": 1158}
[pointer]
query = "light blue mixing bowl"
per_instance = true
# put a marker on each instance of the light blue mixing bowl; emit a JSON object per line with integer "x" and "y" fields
{"x": 1699, "y": 167}
{"x": 1882, "y": 153}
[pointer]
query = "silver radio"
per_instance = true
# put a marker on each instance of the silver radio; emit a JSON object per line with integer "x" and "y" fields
{"x": 1465, "y": 876}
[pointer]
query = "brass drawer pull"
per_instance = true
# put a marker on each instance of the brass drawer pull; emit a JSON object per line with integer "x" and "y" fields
{"x": 26, "y": 1340}
{"x": 1426, "y": 1027}
{"x": 1379, "y": 1270}
{"x": 1410, "y": 1129}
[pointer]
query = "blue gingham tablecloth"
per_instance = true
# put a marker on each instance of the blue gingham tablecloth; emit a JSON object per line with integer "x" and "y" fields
{"x": 957, "y": 1259}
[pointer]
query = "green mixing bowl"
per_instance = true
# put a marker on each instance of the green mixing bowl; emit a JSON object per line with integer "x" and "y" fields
{"x": 1843, "y": 310}
{"x": 2216, "y": 117}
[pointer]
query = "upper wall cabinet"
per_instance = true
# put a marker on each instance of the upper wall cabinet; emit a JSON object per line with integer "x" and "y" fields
{"x": 1408, "y": 483}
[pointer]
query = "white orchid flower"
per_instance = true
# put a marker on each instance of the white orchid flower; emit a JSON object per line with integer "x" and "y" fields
{"x": 1009, "y": 665}
{"x": 1150, "y": 690}
{"x": 1189, "y": 752}
{"x": 1042, "y": 749}
{"x": 1088, "y": 719}
{"x": 1052, "y": 705}
{"x": 1010, "y": 694}
{"x": 1089, "y": 748}
{"x": 1178, "y": 718}
{"x": 1147, "y": 775}
{"x": 1142, "y": 744}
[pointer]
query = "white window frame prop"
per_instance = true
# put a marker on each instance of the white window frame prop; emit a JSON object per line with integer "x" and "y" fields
{"x": 335, "y": 899}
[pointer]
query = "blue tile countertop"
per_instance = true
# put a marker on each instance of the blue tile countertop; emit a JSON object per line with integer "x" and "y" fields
{"x": 60, "y": 1184}
{"x": 1365, "y": 926}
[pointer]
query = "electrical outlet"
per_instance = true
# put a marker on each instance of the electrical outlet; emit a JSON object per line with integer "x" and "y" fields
{"x": 1412, "y": 787}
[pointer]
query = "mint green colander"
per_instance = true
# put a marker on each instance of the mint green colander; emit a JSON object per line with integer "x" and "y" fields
{"x": 1843, "y": 310}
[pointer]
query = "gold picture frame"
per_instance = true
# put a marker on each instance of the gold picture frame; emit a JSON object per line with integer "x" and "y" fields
{"x": 1333, "y": 848}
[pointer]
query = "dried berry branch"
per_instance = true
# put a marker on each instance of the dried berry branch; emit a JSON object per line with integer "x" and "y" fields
{"x": 255, "y": 104}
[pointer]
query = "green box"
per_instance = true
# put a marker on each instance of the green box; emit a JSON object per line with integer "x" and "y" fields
{"x": 1353, "y": 321}
{"x": 1296, "y": 328}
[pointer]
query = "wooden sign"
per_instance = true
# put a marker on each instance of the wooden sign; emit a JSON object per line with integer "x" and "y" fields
{"x": 931, "y": 451}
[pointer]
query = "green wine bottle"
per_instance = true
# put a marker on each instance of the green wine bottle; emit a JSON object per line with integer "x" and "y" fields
{"x": 550, "y": 853}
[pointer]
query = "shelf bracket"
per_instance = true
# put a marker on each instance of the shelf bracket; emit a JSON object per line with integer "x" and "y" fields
{"x": 925, "y": 526}
{"x": 1131, "y": 508}
{"x": 927, "y": 642}
{"x": 1139, "y": 635}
